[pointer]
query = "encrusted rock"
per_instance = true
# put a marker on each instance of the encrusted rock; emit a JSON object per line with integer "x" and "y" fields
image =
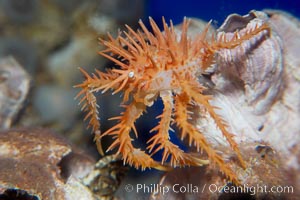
{"x": 32, "y": 164}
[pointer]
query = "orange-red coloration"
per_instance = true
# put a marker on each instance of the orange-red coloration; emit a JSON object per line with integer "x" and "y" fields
{"x": 167, "y": 65}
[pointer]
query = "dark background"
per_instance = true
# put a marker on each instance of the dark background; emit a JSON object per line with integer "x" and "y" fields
{"x": 216, "y": 10}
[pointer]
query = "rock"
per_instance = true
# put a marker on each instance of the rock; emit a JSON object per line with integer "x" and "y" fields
{"x": 31, "y": 165}
{"x": 14, "y": 87}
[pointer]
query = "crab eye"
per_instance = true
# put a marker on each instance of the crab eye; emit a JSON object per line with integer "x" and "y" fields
{"x": 131, "y": 74}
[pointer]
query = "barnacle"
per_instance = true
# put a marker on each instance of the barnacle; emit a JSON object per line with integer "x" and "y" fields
{"x": 164, "y": 65}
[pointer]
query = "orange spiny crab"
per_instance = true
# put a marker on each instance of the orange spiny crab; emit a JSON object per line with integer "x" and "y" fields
{"x": 163, "y": 65}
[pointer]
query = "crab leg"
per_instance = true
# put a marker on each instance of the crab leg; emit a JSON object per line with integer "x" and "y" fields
{"x": 203, "y": 100}
{"x": 196, "y": 137}
{"x": 194, "y": 90}
{"x": 122, "y": 139}
{"x": 92, "y": 84}
{"x": 161, "y": 139}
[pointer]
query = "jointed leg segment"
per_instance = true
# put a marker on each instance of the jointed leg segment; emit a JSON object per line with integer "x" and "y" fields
{"x": 162, "y": 140}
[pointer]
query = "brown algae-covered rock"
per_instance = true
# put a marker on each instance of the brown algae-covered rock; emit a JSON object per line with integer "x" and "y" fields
{"x": 31, "y": 164}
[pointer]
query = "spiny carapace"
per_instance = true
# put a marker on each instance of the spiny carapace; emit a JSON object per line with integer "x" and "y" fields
{"x": 161, "y": 64}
